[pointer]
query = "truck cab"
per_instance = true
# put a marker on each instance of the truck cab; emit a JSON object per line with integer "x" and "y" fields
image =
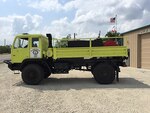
{"x": 28, "y": 46}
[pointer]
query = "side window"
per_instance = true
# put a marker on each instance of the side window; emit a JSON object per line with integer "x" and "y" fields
{"x": 21, "y": 43}
{"x": 16, "y": 44}
{"x": 35, "y": 42}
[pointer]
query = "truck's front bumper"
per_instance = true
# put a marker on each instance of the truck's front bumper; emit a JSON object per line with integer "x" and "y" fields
{"x": 10, "y": 65}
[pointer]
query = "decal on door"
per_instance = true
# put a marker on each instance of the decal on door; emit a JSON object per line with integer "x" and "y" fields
{"x": 35, "y": 53}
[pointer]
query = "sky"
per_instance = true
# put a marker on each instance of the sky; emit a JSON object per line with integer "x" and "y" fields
{"x": 62, "y": 17}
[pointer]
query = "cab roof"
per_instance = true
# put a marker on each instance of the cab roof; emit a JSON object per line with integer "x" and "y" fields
{"x": 30, "y": 35}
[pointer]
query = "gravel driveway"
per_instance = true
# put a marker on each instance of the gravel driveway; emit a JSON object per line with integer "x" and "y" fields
{"x": 4, "y": 57}
{"x": 76, "y": 93}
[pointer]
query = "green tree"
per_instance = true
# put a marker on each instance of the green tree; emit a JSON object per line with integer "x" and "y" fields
{"x": 112, "y": 34}
{"x": 62, "y": 42}
{"x": 5, "y": 49}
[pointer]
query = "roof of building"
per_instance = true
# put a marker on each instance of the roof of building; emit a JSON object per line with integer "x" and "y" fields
{"x": 135, "y": 29}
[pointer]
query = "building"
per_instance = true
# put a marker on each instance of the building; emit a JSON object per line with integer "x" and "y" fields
{"x": 138, "y": 42}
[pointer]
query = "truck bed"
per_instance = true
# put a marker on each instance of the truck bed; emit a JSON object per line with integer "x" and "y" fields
{"x": 88, "y": 52}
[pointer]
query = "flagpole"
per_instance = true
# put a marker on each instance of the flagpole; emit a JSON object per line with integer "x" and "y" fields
{"x": 116, "y": 23}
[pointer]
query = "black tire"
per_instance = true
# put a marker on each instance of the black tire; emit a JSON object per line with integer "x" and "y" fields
{"x": 32, "y": 74}
{"x": 104, "y": 73}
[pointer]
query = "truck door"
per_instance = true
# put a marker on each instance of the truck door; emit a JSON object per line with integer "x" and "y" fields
{"x": 35, "y": 51}
{"x": 20, "y": 49}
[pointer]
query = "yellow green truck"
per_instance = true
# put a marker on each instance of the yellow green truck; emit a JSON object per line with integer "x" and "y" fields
{"x": 37, "y": 57}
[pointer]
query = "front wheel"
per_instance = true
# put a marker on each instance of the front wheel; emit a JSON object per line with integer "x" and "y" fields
{"x": 32, "y": 74}
{"x": 104, "y": 73}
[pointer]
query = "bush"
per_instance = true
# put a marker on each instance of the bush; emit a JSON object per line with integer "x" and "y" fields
{"x": 5, "y": 49}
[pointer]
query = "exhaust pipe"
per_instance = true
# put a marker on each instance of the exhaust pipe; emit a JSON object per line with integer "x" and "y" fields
{"x": 49, "y": 40}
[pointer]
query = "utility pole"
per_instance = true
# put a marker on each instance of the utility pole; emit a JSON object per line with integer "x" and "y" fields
{"x": 75, "y": 35}
{"x": 116, "y": 23}
{"x": 99, "y": 35}
{"x": 4, "y": 42}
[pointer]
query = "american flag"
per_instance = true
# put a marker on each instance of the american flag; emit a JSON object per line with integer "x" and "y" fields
{"x": 113, "y": 20}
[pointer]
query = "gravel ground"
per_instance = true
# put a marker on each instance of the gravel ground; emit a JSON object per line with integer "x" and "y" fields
{"x": 4, "y": 57}
{"x": 76, "y": 93}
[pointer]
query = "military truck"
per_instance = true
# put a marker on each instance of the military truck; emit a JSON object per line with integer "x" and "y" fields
{"x": 37, "y": 57}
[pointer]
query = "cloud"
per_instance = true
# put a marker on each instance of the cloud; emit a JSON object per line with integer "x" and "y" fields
{"x": 94, "y": 15}
{"x": 25, "y": 23}
{"x": 63, "y": 27}
{"x": 52, "y": 5}
{"x": 59, "y": 28}
{"x": 14, "y": 24}
{"x": 98, "y": 13}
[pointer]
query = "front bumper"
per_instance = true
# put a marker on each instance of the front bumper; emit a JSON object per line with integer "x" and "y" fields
{"x": 10, "y": 65}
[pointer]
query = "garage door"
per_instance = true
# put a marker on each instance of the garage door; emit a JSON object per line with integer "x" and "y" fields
{"x": 145, "y": 51}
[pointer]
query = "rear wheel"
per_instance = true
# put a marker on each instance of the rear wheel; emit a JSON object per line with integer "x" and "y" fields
{"x": 32, "y": 74}
{"x": 104, "y": 73}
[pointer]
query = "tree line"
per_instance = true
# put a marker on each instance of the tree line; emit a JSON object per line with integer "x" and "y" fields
{"x": 5, "y": 49}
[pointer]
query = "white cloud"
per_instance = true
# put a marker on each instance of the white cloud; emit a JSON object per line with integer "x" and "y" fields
{"x": 14, "y": 24}
{"x": 59, "y": 28}
{"x": 94, "y": 15}
{"x": 25, "y": 23}
{"x": 62, "y": 27}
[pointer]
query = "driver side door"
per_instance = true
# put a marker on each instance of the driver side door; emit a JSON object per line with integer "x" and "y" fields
{"x": 20, "y": 49}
